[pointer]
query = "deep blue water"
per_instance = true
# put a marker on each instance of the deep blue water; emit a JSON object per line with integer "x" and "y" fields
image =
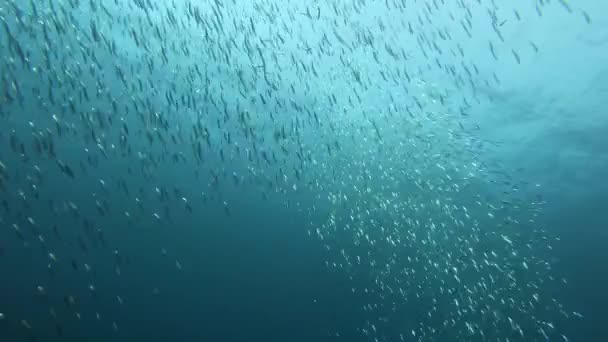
{"x": 274, "y": 287}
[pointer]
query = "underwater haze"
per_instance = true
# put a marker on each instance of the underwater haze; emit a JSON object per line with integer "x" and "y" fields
{"x": 361, "y": 170}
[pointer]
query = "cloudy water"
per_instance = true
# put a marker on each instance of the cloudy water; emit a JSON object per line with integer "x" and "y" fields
{"x": 336, "y": 170}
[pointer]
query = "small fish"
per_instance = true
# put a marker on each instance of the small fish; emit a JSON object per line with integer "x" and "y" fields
{"x": 587, "y": 17}
{"x": 65, "y": 169}
{"x": 516, "y": 56}
{"x": 534, "y": 46}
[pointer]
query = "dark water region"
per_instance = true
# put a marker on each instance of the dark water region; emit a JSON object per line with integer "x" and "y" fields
{"x": 582, "y": 253}
{"x": 303, "y": 171}
{"x": 243, "y": 286}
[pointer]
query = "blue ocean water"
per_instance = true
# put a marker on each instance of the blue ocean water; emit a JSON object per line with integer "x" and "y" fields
{"x": 291, "y": 171}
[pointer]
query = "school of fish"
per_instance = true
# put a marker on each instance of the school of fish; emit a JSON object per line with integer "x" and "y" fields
{"x": 356, "y": 112}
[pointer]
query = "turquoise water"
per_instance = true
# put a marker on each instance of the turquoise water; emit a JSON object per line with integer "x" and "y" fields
{"x": 290, "y": 171}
